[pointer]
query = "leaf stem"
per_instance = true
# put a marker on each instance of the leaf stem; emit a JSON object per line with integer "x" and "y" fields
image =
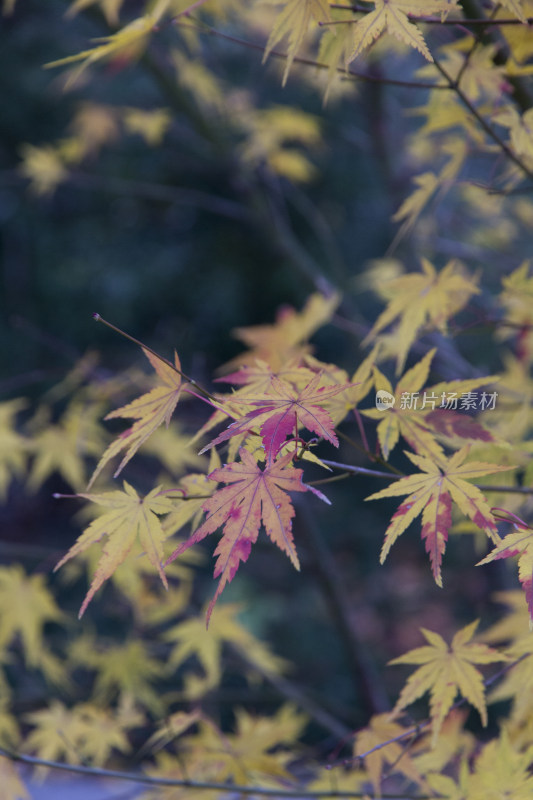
{"x": 98, "y": 318}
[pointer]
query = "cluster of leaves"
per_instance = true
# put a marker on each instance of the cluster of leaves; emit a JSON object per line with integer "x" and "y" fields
{"x": 286, "y": 411}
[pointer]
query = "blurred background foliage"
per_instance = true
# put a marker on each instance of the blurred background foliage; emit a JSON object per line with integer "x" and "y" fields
{"x": 202, "y": 204}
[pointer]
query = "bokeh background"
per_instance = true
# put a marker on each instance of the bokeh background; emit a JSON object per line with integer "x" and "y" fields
{"x": 208, "y": 227}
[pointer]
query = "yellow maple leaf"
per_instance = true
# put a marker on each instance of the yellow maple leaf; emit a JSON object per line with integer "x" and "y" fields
{"x": 31, "y": 605}
{"x": 431, "y": 493}
{"x": 446, "y": 670}
{"x": 84, "y": 733}
{"x": 149, "y": 410}
{"x": 191, "y": 638}
{"x": 253, "y": 751}
{"x": 127, "y": 43}
{"x": 393, "y": 16}
{"x": 127, "y": 670}
{"x": 422, "y": 417}
{"x": 285, "y": 340}
{"x": 501, "y": 770}
{"x": 63, "y": 446}
{"x": 13, "y": 446}
{"x": 515, "y": 7}
{"x": 294, "y": 21}
{"x": 129, "y": 519}
{"x": 394, "y": 755}
{"x": 427, "y": 298}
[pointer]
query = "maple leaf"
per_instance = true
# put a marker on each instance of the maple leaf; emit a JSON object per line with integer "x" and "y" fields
{"x": 285, "y": 339}
{"x": 61, "y": 447}
{"x": 246, "y": 754}
{"x": 519, "y": 543}
{"x": 392, "y": 16}
{"x": 421, "y": 419}
{"x": 254, "y": 496}
{"x": 130, "y": 518}
{"x": 431, "y": 493}
{"x": 31, "y": 605}
{"x": 381, "y": 729}
{"x": 80, "y": 734}
{"x": 502, "y": 770}
{"x": 150, "y": 410}
{"x": 125, "y": 670}
{"x": 191, "y": 638}
{"x": 294, "y": 22}
{"x": 128, "y": 43}
{"x": 13, "y": 446}
{"x": 427, "y": 298}
{"x": 279, "y": 411}
{"x": 445, "y": 670}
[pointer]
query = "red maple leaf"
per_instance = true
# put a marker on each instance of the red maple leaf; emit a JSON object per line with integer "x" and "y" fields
{"x": 280, "y": 411}
{"x": 254, "y": 496}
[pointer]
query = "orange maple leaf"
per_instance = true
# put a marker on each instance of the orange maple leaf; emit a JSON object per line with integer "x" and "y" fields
{"x": 279, "y": 411}
{"x": 150, "y": 410}
{"x": 431, "y": 493}
{"x": 255, "y": 496}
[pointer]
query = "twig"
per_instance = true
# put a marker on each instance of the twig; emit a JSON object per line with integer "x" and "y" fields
{"x": 348, "y": 74}
{"x": 477, "y": 21}
{"x": 99, "y": 772}
{"x": 374, "y": 473}
{"x": 415, "y": 730}
{"x": 489, "y": 130}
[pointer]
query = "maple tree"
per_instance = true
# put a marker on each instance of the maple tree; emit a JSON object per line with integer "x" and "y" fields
{"x": 142, "y": 681}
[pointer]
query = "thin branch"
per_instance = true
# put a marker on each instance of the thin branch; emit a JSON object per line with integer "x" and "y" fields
{"x": 355, "y": 470}
{"x": 415, "y": 730}
{"x": 477, "y": 21}
{"x": 141, "y": 778}
{"x": 489, "y": 130}
{"x": 348, "y": 74}
{"x": 374, "y": 473}
{"x": 207, "y": 395}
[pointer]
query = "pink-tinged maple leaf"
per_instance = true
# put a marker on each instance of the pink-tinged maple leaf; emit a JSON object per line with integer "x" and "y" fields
{"x": 253, "y": 496}
{"x": 431, "y": 493}
{"x": 519, "y": 543}
{"x": 280, "y": 411}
